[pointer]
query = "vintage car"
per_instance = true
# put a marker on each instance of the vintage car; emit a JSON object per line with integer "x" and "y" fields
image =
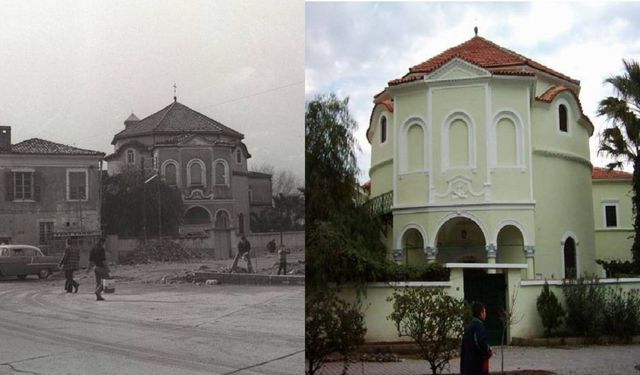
{"x": 23, "y": 260}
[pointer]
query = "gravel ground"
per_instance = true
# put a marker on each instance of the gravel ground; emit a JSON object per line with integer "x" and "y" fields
{"x": 588, "y": 360}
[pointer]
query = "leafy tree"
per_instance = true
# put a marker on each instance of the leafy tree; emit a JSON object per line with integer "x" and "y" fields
{"x": 126, "y": 200}
{"x": 550, "y": 311}
{"x": 433, "y": 319}
{"x": 343, "y": 241}
{"x": 585, "y": 301}
{"x": 287, "y": 214}
{"x": 331, "y": 326}
{"x": 621, "y": 140}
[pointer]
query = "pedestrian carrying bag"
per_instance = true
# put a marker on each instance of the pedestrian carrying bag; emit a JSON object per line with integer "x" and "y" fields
{"x": 108, "y": 285}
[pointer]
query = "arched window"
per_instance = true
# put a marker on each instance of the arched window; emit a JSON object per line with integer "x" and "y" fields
{"x": 383, "y": 129}
{"x": 459, "y": 155}
{"x": 222, "y": 220}
{"x": 170, "y": 174}
{"x": 415, "y": 149}
{"x": 131, "y": 158}
{"x": 238, "y": 156}
{"x": 507, "y": 143}
{"x": 221, "y": 173}
{"x": 562, "y": 118}
{"x": 241, "y": 223}
{"x": 196, "y": 173}
{"x": 570, "y": 263}
{"x": 197, "y": 215}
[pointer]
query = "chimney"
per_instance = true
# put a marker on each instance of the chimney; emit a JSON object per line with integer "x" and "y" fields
{"x": 5, "y": 137}
{"x": 132, "y": 119}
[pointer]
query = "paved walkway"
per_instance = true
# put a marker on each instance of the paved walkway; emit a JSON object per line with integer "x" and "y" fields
{"x": 590, "y": 360}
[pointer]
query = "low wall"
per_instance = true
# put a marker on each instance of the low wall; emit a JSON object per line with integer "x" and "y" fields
{"x": 292, "y": 240}
{"x": 376, "y": 308}
{"x": 250, "y": 278}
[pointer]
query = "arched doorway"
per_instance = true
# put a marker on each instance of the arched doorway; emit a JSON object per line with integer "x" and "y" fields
{"x": 413, "y": 247}
{"x": 460, "y": 240}
{"x": 197, "y": 216}
{"x": 510, "y": 245}
{"x": 570, "y": 261}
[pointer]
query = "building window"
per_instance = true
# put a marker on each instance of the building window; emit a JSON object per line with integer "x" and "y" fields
{"x": 610, "y": 216}
{"x": 562, "y": 117}
{"x": 196, "y": 173}
{"x": 221, "y": 173}
{"x": 77, "y": 185}
{"x": 23, "y": 185}
{"x": 570, "y": 263}
{"x": 250, "y": 195}
{"x": 241, "y": 223}
{"x": 45, "y": 232}
{"x": 170, "y": 173}
{"x": 383, "y": 129}
{"x": 238, "y": 156}
{"x": 131, "y": 159}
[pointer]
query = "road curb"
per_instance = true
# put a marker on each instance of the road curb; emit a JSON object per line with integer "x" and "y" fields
{"x": 250, "y": 279}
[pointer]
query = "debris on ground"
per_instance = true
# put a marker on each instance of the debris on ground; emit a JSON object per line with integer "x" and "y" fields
{"x": 161, "y": 251}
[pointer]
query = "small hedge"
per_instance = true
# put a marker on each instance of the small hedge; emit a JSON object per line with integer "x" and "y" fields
{"x": 390, "y": 272}
{"x": 618, "y": 268}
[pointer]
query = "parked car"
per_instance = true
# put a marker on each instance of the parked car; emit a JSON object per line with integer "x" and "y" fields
{"x": 23, "y": 260}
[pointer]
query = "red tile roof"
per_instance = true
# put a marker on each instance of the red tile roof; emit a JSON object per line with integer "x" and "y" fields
{"x": 43, "y": 147}
{"x": 553, "y": 91}
{"x": 486, "y": 54}
{"x": 175, "y": 118}
{"x": 606, "y": 174}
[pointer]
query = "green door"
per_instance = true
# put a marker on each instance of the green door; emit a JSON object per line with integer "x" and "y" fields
{"x": 489, "y": 289}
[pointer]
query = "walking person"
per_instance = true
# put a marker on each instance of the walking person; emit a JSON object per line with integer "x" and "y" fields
{"x": 70, "y": 262}
{"x": 282, "y": 253}
{"x": 475, "y": 351}
{"x": 244, "y": 249}
{"x": 98, "y": 259}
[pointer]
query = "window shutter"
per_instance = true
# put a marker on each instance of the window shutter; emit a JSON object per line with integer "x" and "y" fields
{"x": 37, "y": 184}
{"x": 8, "y": 179}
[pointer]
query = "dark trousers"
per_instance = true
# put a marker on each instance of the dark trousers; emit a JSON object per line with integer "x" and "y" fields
{"x": 70, "y": 283}
{"x": 101, "y": 273}
{"x": 283, "y": 267}
{"x": 237, "y": 258}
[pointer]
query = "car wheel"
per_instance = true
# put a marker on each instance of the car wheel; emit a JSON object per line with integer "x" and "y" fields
{"x": 44, "y": 273}
{"x": 22, "y": 277}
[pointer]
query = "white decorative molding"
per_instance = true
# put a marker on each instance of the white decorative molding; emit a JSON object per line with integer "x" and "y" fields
{"x": 197, "y": 194}
{"x": 523, "y": 232}
{"x": 406, "y": 228}
{"x": 459, "y": 187}
{"x": 457, "y": 69}
{"x": 403, "y": 149}
{"x": 563, "y": 155}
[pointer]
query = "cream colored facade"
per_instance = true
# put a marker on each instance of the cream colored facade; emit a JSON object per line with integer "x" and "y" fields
{"x": 480, "y": 171}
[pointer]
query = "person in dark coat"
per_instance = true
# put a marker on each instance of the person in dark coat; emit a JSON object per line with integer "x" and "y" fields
{"x": 98, "y": 259}
{"x": 244, "y": 252}
{"x": 475, "y": 351}
{"x": 70, "y": 262}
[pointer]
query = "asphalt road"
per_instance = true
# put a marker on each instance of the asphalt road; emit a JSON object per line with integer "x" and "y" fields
{"x": 150, "y": 329}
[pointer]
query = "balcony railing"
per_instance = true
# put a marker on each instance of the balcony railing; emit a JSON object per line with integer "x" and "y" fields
{"x": 380, "y": 205}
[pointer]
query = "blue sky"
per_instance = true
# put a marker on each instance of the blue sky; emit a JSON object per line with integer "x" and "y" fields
{"x": 354, "y": 49}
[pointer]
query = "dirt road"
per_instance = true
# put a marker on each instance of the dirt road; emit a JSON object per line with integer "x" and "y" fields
{"x": 149, "y": 328}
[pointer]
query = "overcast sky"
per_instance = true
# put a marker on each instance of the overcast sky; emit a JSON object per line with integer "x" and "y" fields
{"x": 72, "y": 71}
{"x": 354, "y": 49}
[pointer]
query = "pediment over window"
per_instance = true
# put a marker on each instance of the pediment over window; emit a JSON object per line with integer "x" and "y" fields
{"x": 457, "y": 69}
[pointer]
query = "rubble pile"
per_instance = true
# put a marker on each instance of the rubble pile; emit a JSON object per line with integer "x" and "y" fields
{"x": 163, "y": 251}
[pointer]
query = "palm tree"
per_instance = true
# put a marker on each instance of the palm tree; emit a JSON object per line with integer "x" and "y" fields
{"x": 621, "y": 140}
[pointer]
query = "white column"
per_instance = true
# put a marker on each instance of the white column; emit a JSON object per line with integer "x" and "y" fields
{"x": 529, "y": 253}
{"x": 431, "y": 253}
{"x": 398, "y": 255}
{"x": 491, "y": 256}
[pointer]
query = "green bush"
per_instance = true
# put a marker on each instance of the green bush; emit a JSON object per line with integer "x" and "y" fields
{"x": 433, "y": 319}
{"x": 331, "y": 326}
{"x": 622, "y": 313}
{"x": 585, "y": 300}
{"x": 425, "y": 272}
{"x": 618, "y": 268}
{"x": 550, "y": 311}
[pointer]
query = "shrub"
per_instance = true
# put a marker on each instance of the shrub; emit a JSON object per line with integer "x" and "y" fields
{"x": 618, "y": 268}
{"x": 622, "y": 313}
{"x": 432, "y": 319}
{"x": 424, "y": 272}
{"x": 585, "y": 300}
{"x": 331, "y": 326}
{"x": 550, "y": 310}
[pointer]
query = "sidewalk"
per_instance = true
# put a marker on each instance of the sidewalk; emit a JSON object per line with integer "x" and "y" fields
{"x": 588, "y": 360}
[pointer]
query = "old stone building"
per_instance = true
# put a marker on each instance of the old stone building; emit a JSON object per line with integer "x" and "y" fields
{"x": 50, "y": 190}
{"x": 205, "y": 159}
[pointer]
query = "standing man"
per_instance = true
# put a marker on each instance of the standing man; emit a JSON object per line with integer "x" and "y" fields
{"x": 475, "y": 351}
{"x": 282, "y": 252}
{"x": 98, "y": 259}
{"x": 244, "y": 248}
{"x": 70, "y": 262}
